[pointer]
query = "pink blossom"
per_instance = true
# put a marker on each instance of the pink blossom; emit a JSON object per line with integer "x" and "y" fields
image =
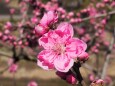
{"x": 7, "y": 1}
{"x": 13, "y": 68}
{"x": 70, "y": 14}
{"x": 49, "y": 18}
{"x": 40, "y": 29}
{"x": 71, "y": 79}
{"x": 6, "y": 31}
{"x": 8, "y": 25}
{"x": 91, "y": 77}
{"x": 12, "y": 10}
{"x": 106, "y": 1}
{"x": 32, "y": 83}
{"x": 106, "y": 43}
{"x": 34, "y": 20}
{"x": 20, "y": 42}
{"x": 60, "y": 48}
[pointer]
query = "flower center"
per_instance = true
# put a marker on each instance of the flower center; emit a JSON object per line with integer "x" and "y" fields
{"x": 59, "y": 48}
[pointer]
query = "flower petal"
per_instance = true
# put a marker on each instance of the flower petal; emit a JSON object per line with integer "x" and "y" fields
{"x": 75, "y": 47}
{"x": 45, "y": 59}
{"x": 49, "y": 39}
{"x": 40, "y": 63}
{"x": 66, "y": 28}
{"x": 44, "y": 19}
{"x": 46, "y": 41}
{"x": 62, "y": 63}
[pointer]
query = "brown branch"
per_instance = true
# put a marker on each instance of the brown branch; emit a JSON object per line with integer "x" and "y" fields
{"x": 108, "y": 56}
{"x": 99, "y": 15}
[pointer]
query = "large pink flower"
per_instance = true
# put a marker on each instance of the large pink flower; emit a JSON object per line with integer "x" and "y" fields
{"x": 60, "y": 48}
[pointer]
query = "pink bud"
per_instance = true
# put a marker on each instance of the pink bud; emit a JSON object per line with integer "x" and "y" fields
{"x": 61, "y": 74}
{"x": 104, "y": 21}
{"x": 70, "y": 14}
{"x": 32, "y": 83}
{"x": 7, "y": 1}
{"x": 91, "y": 77}
{"x": 20, "y": 42}
{"x": 13, "y": 68}
{"x": 5, "y": 38}
{"x": 71, "y": 79}
{"x": 106, "y": 1}
{"x": 106, "y": 43}
{"x": 26, "y": 43}
{"x": 14, "y": 43}
{"x": 83, "y": 56}
{"x": 6, "y": 31}
{"x": 34, "y": 20}
{"x": 72, "y": 20}
{"x": 8, "y": 25}
{"x": 12, "y": 10}
{"x": 40, "y": 30}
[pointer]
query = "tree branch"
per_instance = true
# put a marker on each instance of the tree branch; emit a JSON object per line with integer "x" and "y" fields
{"x": 99, "y": 15}
{"x": 108, "y": 56}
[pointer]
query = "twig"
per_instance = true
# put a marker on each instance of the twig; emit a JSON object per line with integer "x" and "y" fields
{"x": 108, "y": 56}
{"x": 88, "y": 67}
{"x": 99, "y": 15}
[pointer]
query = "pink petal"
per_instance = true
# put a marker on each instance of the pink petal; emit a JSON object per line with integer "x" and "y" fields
{"x": 45, "y": 59}
{"x": 51, "y": 16}
{"x": 62, "y": 63}
{"x": 83, "y": 56}
{"x": 40, "y": 63}
{"x": 46, "y": 41}
{"x": 49, "y": 39}
{"x": 74, "y": 47}
{"x": 44, "y": 19}
{"x": 66, "y": 28}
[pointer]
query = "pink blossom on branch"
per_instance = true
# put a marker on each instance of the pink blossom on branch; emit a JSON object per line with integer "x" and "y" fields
{"x": 47, "y": 21}
{"x": 13, "y": 68}
{"x": 60, "y": 48}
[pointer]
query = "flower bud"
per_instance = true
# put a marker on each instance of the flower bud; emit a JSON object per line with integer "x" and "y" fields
{"x": 83, "y": 56}
{"x": 71, "y": 79}
{"x": 40, "y": 29}
{"x": 13, "y": 68}
{"x": 32, "y": 83}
